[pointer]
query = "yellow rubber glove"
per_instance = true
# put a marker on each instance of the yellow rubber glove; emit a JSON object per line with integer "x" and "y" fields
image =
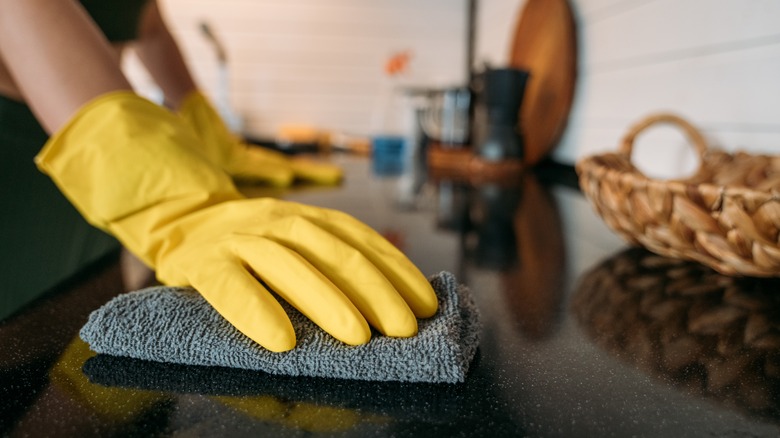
{"x": 245, "y": 162}
{"x": 130, "y": 168}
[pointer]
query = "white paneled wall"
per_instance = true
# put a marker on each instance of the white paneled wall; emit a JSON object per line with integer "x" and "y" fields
{"x": 715, "y": 62}
{"x": 495, "y": 22}
{"x": 318, "y": 63}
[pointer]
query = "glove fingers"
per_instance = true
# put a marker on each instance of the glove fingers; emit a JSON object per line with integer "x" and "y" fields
{"x": 261, "y": 154}
{"x": 258, "y": 165}
{"x": 305, "y": 288}
{"x": 270, "y": 166}
{"x": 236, "y": 295}
{"x": 318, "y": 173}
{"x": 358, "y": 278}
{"x": 394, "y": 265}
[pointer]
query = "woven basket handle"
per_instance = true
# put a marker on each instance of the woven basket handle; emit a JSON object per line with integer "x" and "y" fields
{"x": 694, "y": 135}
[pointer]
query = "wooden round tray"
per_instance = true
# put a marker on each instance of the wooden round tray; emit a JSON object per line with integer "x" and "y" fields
{"x": 545, "y": 44}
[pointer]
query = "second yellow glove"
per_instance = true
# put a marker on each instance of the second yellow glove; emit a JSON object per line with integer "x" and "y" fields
{"x": 245, "y": 162}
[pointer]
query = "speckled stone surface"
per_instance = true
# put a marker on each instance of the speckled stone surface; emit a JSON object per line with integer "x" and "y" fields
{"x": 579, "y": 338}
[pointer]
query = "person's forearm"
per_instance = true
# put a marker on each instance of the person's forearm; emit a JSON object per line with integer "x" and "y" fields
{"x": 158, "y": 51}
{"x": 57, "y": 56}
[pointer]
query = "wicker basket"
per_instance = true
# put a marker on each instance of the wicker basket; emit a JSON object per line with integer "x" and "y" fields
{"x": 727, "y": 216}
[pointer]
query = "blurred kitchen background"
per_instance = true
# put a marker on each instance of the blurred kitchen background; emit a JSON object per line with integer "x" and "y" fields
{"x": 307, "y": 63}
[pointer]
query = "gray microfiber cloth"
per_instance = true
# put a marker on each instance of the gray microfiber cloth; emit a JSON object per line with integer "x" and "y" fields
{"x": 176, "y": 325}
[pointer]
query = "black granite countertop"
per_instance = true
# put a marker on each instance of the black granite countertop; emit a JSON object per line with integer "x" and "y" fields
{"x": 582, "y": 336}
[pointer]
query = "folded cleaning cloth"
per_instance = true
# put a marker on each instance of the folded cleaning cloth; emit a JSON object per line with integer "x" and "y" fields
{"x": 176, "y": 325}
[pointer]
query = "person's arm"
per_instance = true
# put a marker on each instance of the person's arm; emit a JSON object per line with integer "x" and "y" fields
{"x": 60, "y": 68}
{"x": 158, "y": 51}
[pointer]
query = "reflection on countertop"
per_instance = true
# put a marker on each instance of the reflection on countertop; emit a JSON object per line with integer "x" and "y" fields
{"x": 581, "y": 336}
{"x": 703, "y": 332}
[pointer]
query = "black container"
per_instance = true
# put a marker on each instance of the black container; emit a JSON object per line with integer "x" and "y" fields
{"x": 501, "y": 97}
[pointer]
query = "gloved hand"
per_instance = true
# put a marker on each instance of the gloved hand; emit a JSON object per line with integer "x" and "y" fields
{"x": 245, "y": 162}
{"x": 130, "y": 168}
